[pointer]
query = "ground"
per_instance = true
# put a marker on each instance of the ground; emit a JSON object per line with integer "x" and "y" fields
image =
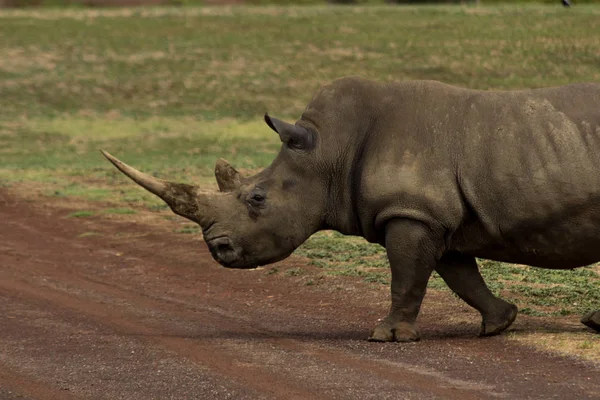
{"x": 113, "y": 307}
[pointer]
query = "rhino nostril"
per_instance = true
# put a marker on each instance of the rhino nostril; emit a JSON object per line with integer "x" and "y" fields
{"x": 224, "y": 247}
{"x": 217, "y": 240}
{"x": 221, "y": 243}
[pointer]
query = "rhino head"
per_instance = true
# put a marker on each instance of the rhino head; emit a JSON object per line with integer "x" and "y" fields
{"x": 255, "y": 220}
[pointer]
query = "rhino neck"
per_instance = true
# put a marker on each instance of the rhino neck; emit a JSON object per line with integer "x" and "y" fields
{"x": 340, "y": 212}
{"x": 344, "y": 113}
{"x": 342, "y": 203}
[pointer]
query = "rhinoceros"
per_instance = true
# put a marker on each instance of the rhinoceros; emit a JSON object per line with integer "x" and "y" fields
{"x": 438, "y": 175}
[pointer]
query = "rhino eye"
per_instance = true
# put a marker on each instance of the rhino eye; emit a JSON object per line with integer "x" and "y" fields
{"x": 294, "y": 144}
{"x": 256, "y": 199}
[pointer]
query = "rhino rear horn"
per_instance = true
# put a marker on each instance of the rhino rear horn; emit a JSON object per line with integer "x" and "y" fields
{"x": 295, "y": 136}
{"x": 228, "y": 178}
{"x": 184, "y": 200}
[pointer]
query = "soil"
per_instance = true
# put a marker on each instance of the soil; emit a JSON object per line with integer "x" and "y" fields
{"x": 120, "y": 307}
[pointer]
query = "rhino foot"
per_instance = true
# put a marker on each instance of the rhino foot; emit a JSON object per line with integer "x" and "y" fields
{"x": 592, "y": 320}
{"x": 394, "y": 332}
{"x": 495, "y": 324}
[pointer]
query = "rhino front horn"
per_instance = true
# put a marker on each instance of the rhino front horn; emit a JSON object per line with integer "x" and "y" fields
{"x": 184, "y": 200}
{"x": 228, "y": 178}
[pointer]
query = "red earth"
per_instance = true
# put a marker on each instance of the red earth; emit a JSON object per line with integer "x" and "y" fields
{"x": 136, "y": 311}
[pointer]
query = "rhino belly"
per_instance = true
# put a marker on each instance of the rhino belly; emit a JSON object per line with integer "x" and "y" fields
{"x": 557, "y": 244}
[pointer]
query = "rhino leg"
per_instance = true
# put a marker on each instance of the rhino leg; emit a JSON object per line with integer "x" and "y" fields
{"x": 592, "y": 320}
{"x": 412, "y": 251}
{"x": 462, "y": 275}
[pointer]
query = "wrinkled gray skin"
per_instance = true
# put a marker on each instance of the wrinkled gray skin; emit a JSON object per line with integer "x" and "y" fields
{"x": 437, "y": 174}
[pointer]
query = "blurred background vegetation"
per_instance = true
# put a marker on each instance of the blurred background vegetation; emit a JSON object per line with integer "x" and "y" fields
{"x": 121, "y": 3}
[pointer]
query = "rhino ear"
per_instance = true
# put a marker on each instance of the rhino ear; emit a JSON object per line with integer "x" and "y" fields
{"x": 295, "y": 136}
{"x": 228, "y": 178}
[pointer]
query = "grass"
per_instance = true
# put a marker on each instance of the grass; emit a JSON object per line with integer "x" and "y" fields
{"x": 81, "y": 214}
{"x": 213, "y": 63}
{"x": 294, "y": 272}
{"x": 580, "y": 344}
{"x": 170, "y": 90}
{"x": 189, "y": 228}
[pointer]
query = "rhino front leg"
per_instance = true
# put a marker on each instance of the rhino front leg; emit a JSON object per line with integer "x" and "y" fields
{"x": 592, "y": 320}
{"x": 462, "y": 275}
{"x": 412, "y": 250}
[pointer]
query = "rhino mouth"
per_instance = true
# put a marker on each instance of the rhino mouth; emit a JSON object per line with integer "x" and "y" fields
{"x": 226, "y": 254}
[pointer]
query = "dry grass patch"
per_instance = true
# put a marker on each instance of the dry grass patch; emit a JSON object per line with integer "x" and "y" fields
{"x": 15, "y": 59}
{"x": 585, "y": 345}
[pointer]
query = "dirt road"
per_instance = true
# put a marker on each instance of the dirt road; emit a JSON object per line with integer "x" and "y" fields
{"x": 108, "y": 309}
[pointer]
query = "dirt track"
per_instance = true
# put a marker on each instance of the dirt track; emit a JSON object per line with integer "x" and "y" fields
{"x": 139, "y": 312}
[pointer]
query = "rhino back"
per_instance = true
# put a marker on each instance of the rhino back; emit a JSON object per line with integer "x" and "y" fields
{"x": 512, "y": 176}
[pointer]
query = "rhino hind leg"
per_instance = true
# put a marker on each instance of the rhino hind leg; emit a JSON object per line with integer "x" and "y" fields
{"x": 462, "y": 275}
{"x": 592, "y": 320}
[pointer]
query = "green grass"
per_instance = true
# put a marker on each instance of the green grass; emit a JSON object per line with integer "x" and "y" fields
{"x": 294, "y": 272}
{"x": 70, "y": 4}
{"x": 170, "y": 90}
{"x": 81, "y": 214}
{"x": 189, "y": 228}
{"x": 240, "y": 62}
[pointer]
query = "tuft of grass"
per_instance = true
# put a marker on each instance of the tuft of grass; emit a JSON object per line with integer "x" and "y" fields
{"x": 294, "y": 272}
{"x": 87, "y": 234}
{"x": 189, "y": 228}
{"x": 81, "y": 214}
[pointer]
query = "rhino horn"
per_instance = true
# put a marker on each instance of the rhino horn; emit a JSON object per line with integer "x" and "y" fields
{"x": 228, "y": 178}
{"x": 184, "y": 200}
{"x": 295, "y": 136}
